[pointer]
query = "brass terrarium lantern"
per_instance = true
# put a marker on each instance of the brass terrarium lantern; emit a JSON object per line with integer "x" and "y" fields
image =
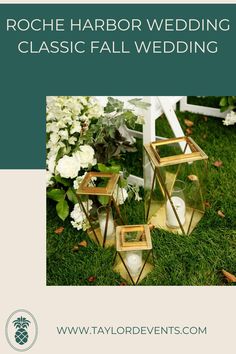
{"x": 134, "y": 255}
{"x": 175, "y": 172}
{"x": 98, "y": 196}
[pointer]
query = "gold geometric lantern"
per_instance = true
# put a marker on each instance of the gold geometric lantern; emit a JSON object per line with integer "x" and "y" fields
{"x": 134, "y": 255}
{"x": 98, "y": 196}
{"x": 175, "y": 172}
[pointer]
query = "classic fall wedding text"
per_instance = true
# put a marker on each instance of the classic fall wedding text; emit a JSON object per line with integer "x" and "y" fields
{"x": 157, "y": 45}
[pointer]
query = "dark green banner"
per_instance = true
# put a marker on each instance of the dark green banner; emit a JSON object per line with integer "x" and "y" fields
{"x": 105, "y": 50}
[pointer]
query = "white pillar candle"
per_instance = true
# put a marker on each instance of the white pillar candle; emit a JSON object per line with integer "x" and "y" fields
{"x": 134, "y": 262}
{"x": 110, "y": 226}
{"x": 180, "y": 208}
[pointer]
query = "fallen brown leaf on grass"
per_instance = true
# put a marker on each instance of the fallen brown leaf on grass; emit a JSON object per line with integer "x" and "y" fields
{"x": 230, "y": 277}
{"x": 221, "y": 214}
{"x": 79, "y": 245}
{"x": 83, "y": 243}
{"x": 91, "y": 279}
{"x": 59, "y": 230}
{"x": 188, "y": 131}
{"x": 217, "y": 163}
{"x": 192, "y": 178}
{"x": 207, "y": 204}
{"x": 188, "y": 123}
{"x": 205, "y": 118}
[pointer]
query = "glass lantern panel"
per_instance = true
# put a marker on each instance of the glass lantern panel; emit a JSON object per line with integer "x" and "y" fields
{"x": 167, "y": 150}
{"x": 99, "y": 181}
{"x": 132, "y": 237}
{"x": 174, "y": 149}
{"x": 134, "y": 266}
{"x": 179, "y": 187}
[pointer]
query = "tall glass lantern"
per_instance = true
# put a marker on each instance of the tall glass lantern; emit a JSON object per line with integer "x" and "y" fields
{"x": 134, "y": 257}
{"x": 175, "y": 172}
{"x": 99, "y": 197}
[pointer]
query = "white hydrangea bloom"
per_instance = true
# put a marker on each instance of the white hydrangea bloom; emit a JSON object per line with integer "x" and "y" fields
{"x": 48, "y": 178}
{"x": 230, "y": 118}
{"x": 51, "y": 163}
{"x": 54, "y": 138}
{"x": 72, "y": 140}
{"x": 79, "y": 218}
{"x": 140, "y": 120}
{"x": 63, "y": 134}
{"x": 76, "y": 127}
{"x": 77, "y": 181}
{"x": 120, "y": 195}
{"x": 53, "y": 148}
{"x": 95, "y": 111}
{"x": 52, "y": 127}
{"x": 68, "y": 166}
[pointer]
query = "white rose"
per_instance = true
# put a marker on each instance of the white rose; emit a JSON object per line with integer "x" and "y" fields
{"x": 68, "y": 167}
{"x": 86, "y": 156}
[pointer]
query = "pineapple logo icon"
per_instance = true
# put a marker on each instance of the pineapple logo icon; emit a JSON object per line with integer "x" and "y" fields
{"x": 21, "y": 330}
{"x": 21, "y": 336}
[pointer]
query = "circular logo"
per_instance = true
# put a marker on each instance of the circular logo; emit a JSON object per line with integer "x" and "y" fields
{"x": 21, "y": 330}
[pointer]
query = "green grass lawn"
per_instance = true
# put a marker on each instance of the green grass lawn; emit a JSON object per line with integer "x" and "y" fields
{"x": 197, "y": 259}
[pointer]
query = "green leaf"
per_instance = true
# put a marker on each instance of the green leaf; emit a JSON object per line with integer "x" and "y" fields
{"x": 103, "y": 199}
{"x": 123, "y": 182}
{"x": 65, "y": 182}
{"x": 60, "y": 154}
{"x": 102, "y": 167}
{"x": 126, "y": 117}
{"x": 114, "y": 169}
{"x": 62, "y": 208}
{"x": 56, "y": 194}
{"x": 113, "y": 105}
{"x": 108, "y": 169}
{"x": 125, "y": 174}
{"x": 223, "y": 109}
{"x": 72, "y": 196}
{"x": 223, "y": 102}
{"x": 139, "y": 103}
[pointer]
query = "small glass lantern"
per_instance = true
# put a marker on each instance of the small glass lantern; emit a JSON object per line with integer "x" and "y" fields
{"x": 175, "y": 172}
{"x": 134, "y": 256}
{"x": 98, "y": 196}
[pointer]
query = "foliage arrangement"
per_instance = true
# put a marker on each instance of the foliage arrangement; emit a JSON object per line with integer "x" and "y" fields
{"x": 208, "y": 257}
{"x": 83, "y": 135}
